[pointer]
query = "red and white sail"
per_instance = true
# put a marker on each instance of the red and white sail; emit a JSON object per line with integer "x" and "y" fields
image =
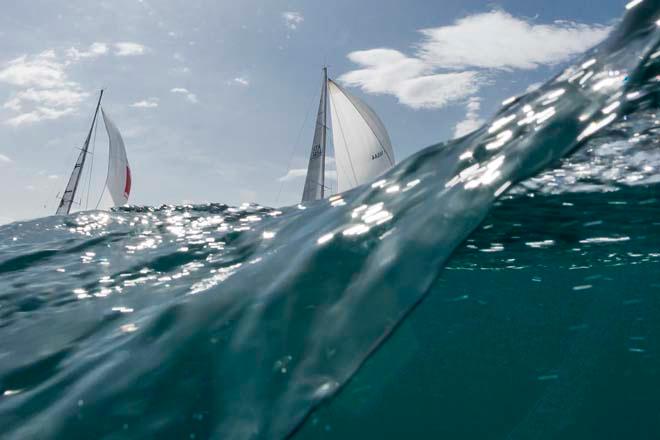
{"x": 118, "y": 182}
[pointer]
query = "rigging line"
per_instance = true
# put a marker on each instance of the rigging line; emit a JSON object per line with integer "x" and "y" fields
{"x": 60, "y": 199}
{"x": 295, "y": 147}
{"x": 348, "y": 154}
{"x": 366, "y": 120}
{"x": 91, "y": 165}
{"x": 67, "y": 159}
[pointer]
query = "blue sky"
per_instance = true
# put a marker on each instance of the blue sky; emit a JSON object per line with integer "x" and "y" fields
{"x": 212, "y": 96}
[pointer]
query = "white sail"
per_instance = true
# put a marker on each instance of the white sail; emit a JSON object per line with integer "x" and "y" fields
{"x": 119, "y": 172}
{"x": 363, "y": 149}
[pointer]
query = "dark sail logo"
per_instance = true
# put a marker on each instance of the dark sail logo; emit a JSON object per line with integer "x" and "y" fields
{"x": 377, "y": 155}
{"x": 316, "y": 151}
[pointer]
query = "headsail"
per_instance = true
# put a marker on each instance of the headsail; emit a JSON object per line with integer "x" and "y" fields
{"x": 119, "y": 172}
{"x": 315, "y": 181}
{"x": 72, "y": 186}
{"x": 363, "y": 149}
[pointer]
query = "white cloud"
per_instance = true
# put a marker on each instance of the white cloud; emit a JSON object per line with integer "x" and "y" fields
{"x": 498, "y": 40}
{"x": 472, "y": 120}
{"x": 52, "y": 113}
{"x": 24, "y": 118}
{"x": 388, "y": 71}
{"x": 39, "y": 114}
{"x": 452, "y": 62}
{"x": 292, "y": 19}
{"x": 43, "y": 90}
{"x": 95, "y": 50}
{"x": 146, "y": 103}
{"x": 13, "y": 104}
{"x": 5, "y": 159}
{"x": 128, "y": 48}
{"x": 241, "y": 81}
{"x": 189, "y": 95}
{"x": 65, "y": 97}
{"x": 41, "y": 70}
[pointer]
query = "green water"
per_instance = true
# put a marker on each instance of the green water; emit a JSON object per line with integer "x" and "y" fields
{"x": 552, "y": 340}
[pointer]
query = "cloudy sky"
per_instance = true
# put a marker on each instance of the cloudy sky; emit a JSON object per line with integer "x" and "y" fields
{"x": 216, "y": 99}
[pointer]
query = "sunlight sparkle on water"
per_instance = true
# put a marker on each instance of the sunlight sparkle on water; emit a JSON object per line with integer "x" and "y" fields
{"x": 358, "y": 229}
{"x": 128, "y": 328}
{"x": 501, "y": 123}
{"x": 595, "y": 126}
{"x": 325, "y": 238}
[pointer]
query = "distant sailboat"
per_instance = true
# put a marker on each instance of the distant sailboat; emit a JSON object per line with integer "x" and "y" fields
{"x": 363, "y": 149}
{"x": 118, "y": 181}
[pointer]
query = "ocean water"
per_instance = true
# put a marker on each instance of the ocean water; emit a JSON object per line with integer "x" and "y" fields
{"x": 502, "y": 285}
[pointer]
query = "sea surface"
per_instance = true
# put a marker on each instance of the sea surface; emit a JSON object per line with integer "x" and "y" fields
{"x": 502, "y": 285}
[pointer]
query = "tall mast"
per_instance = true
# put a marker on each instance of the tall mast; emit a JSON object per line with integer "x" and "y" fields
{"x": 315, "y": 181}
{"x": 324, "y": 133}
{"x": 72, "y": 186}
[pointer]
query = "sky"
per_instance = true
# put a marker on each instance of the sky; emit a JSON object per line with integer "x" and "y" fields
{"x": 216, "y": 99}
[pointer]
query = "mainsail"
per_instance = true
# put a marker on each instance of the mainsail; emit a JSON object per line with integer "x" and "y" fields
{"x": 119, "y": 173}
{"x": 363, "y": 149}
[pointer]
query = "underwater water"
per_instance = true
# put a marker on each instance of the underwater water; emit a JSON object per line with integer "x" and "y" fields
{"x": 503, "y": 285}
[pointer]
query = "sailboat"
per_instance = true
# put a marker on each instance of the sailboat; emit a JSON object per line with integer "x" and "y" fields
{"x": 362, "y": 147}
{"x": 118, "y": 180}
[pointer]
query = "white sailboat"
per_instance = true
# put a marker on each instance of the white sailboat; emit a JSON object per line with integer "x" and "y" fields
{"x": 362, "y": 147}
{"x": 118, "y": 181}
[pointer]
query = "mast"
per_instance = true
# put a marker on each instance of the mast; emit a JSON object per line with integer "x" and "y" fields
{"x": 315, "y": 180}
{"x": 324, "y": 133}
{"x": 72, "y": 186}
